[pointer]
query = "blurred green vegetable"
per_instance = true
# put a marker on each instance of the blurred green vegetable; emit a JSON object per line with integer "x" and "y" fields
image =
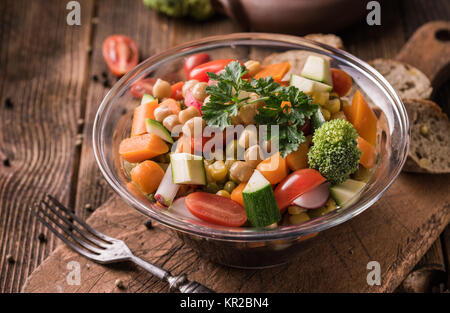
{"x": 197, "y": 9}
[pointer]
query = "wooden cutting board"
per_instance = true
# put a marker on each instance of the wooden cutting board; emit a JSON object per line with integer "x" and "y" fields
{"x": 396, "y": 232}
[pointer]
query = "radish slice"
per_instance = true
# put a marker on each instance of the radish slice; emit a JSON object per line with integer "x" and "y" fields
{"x": 315, "y": 198}
{"x": 189, "y": 100}
{"x": 167, "y": 190}
{"x": 179, "y": 208}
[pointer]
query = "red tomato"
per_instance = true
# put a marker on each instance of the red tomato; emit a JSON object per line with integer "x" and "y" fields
{"x": 342, "y": 82}
{"x": 120, "y": 53}
{"x": 177, "y": 91}
{"x": 199, "y": 72}
{"x": 295, "y": 185}
{"x": 142, "y": 86}
{"x": 195, "y": 60}
{"x": 216, "y": 209}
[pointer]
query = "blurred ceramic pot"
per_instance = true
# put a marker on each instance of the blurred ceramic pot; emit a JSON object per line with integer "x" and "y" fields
{"x": 293, "y": 16}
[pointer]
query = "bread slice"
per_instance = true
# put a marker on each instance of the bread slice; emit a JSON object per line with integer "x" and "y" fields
{"x": 297, "y": 58}
{"x": 429, "y": 150}
{"x": 328, "y": 39}
{"x": 407, "y": 80}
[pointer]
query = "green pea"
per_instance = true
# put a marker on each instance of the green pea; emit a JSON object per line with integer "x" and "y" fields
{"x": 212, "y": 187}
{"x": 229, "y": 186}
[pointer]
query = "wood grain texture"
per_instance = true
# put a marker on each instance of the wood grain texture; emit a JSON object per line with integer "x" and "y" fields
{"x": 396, "y": 232}
{"x": 38, "y": 134}
{"x": 42, "y": 65}
{"x": 153, "y": 33}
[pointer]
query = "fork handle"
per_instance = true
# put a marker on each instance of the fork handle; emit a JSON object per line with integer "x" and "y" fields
{"x": 179, "y": 282}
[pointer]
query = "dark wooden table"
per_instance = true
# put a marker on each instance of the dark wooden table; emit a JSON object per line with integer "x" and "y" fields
{"x": 49, "y": 98}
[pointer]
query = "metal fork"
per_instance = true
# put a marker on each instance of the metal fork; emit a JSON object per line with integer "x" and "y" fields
{"x": 101, "y": 248}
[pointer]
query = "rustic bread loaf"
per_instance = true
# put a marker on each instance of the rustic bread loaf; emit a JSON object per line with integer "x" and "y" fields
{"x": 430, "y": 138}
{"x": 407, "y": 80}
{"x": 297, "y": 58}
{"x": 328, "y": 39}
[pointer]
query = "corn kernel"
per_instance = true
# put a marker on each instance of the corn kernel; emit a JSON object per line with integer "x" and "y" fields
{"x": 223, "y": 193}
{"x": 293, "y": 209}
{"x": 333, "y": 105}
{"x": 299, "y": 218}
{"x": 326, "y": 114}
{"x": 218, "y": 171}
{"x": 321, "y": 98}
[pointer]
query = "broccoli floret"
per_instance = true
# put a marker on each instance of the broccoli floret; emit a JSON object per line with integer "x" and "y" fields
{"x": 197, "y": 9}
{"x": 335, "y": 153}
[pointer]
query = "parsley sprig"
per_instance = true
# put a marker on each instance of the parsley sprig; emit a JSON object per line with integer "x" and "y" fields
{"x": 225, "y": 102}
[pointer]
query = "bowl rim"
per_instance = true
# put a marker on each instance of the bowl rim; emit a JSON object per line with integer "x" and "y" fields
{"x": 238, "y": 233}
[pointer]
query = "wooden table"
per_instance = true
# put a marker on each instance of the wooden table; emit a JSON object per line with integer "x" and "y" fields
{"x": 49, "y": 99}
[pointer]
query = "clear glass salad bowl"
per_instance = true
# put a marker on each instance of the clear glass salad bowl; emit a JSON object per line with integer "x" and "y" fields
{"x": 251, "y": 247}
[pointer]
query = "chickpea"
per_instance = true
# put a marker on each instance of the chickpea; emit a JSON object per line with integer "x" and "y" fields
{"x": 229, "y": 163}
{"x": 235, "y": 120}
{"x": 241, "y": 171}
{"x": 253, "y": 67}
{"x": 248, "y": 137}
{"x": 253, "y": 156}
{"x": 171, "y": 121}
{"x": 162, "y": 89}
{"x": 187, "y": 114}
{"x": 247, "y": 113}
{"x": 199, "y": 91}
{"x": 188, "y": 86}
{"x": 162, "y": 112}
{"x": 193, "y": 126}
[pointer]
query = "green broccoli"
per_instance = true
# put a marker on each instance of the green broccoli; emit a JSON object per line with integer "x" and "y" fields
{"x": 335, "y": 153}
{"x": 197, "y": 9}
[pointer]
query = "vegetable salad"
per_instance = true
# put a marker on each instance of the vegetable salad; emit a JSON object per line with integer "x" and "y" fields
{"x": 241, "y": 144}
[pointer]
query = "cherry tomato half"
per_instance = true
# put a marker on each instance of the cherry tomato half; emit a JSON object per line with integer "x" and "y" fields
{"x": 342, "y": 82}
{"x": 296, "y": 184}
{"x": 142, "y": 86}
{"x": 199, "y": 72}
{"x": 121, "y": 54}
{"x": 216, "y": 209}
{"x": 195, "y": 60}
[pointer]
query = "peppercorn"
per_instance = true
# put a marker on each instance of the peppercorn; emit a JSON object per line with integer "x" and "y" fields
{"x": 8, "y": 103}
{"x": 42, "y": 237}
{"x": 148, "y": 224}
{"x": 10, "y": 258}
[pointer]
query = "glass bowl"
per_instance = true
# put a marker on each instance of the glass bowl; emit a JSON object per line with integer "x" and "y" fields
{"x": 251, "y": 247}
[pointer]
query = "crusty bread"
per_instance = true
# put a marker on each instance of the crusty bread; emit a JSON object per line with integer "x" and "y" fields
{"x": 430, "y": 138}
{"x": 407, "y": 80}
{"x": 328, "y": 39}
{"x": 297, "y": 58}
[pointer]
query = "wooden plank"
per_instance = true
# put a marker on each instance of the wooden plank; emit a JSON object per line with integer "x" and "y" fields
{"x": 42, "y": 64}
{"x": 153, "y": 33}
{"x": 396, "y": 232}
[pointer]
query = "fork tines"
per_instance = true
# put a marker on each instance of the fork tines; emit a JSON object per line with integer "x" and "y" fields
{"x": 70, "y": 228}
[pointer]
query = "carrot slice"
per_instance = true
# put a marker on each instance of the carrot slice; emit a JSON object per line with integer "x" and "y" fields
{"x": 143, "y": 147}
{"x": 177, "y": 91}
{"x": 274, "y": 169}
{"x": 367, "y": 158}
{"x": 173, "y": 105}
{"x": 141, "y": 113}
{"x": 147, "y": 176}
{"x": 277, "y": 71}
{"x": 236, "y": 194}
{"x": 362, "y": 117}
